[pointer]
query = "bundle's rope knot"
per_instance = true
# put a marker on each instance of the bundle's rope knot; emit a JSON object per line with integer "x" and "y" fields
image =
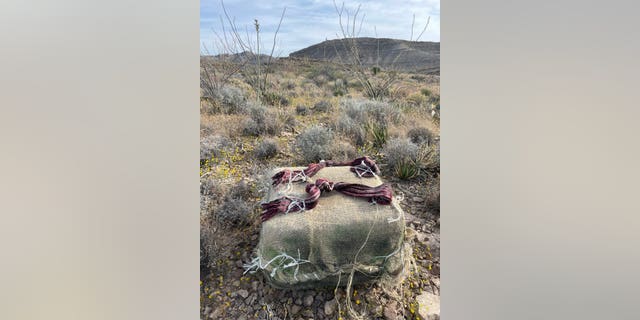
{"x": 382, "y": 194}
{"x": 363, "y": 167}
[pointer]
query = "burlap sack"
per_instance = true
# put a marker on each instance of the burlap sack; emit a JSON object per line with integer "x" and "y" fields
{"x": 320, "y": 247}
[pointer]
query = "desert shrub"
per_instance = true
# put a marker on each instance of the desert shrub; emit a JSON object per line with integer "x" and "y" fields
{"x": 213, "y": 146}
{"x": 288, "y": 120}
{"x": 426, "y": 92}
{"x": 322, "y": 106}
{"x": 267, "y": 148}
{"x": 399, "y": 151}
{"x": 343, "y": 151}
{"x": 211, "y": 194}
{"x": 274, "y": 99}
{"x": 322, "y": 74}
{"x": 209, "y": 249}
{"x": 429, "y": 158}
{"x": 365, "y": 110}
{"x": 261, "y": 121}
{"x": 420, "y": 136}
{"x": 302, "y": 110}
{"x": 339, "y": 87}
{"x": 432, "y": 197}
{"x": 352, "y": 130}
{"x": 289, "y": 85}
{"x": 363, "y": 118}
{"x": 241, "y": 190}
{"x": 233, "y": 100}
{"x": 233, "y": 212}
{"x": 416, "y": 100}
{"x": 236, "y": 209}
{"x": 314, "y": 144}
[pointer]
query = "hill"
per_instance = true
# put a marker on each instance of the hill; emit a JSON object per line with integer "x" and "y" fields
{"x": 402, "y": 55}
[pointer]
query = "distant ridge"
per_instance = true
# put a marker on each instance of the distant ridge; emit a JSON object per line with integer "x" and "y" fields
{"x": 408, "y": 56}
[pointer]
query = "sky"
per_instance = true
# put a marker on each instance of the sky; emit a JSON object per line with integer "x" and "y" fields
{"x": 308, "y": 22}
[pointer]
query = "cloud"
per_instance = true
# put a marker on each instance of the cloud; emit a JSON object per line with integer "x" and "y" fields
{"x": 308, "y": 22}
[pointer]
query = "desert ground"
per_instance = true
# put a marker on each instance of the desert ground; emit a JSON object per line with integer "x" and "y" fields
{"x": 310, "y": 110}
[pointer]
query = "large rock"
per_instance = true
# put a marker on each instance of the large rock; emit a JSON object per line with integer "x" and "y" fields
{"x": 429, "y": 306}
{"x": 330, "y": 307}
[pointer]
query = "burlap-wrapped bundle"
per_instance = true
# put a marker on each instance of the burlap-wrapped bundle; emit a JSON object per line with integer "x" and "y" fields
{"x": 320, "y": 247}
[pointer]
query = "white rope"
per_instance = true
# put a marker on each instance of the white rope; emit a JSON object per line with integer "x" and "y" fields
{"x": 256, "y": 264}
{"x": 296, "y": 203}
{"x": 300, "y": 175}
{"x": 398, "y": 199}
{"x": 363, "y": 169}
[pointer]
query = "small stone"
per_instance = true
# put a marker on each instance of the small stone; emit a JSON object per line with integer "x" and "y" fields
{"x": 378, "y": 310}
{"x": 239, "y": 263}
{"x": 243, "y": 293}
{"x": 428, "y": 306}
{"x": 308, "y": 301}
{"x": 390, "y": 312}
{"x": 236, "y": 283}
{"x": 254, "y": 285}
{"x": 254, "y": 237}
{"x": 295, "y": 309}
{"x": 299, "y": 301}
{"x": 249, "y": 301}
{"x": 330, "y": 306}
{"x": 207, "y": 310}
{"x": 215, "y": 314}
{"x": 307, "y": 313}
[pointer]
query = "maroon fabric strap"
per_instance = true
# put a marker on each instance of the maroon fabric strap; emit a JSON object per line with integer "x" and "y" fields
{"x": 381, "y": 194}
{"x": 363, "y": 167}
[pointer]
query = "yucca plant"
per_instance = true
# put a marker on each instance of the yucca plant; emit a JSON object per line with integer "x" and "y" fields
{"x": 379, "y": 133}
{"x": 407, "y": 170}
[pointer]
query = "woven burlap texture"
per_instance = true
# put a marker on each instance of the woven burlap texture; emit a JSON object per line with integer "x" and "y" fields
{"x": 319, "y": 247}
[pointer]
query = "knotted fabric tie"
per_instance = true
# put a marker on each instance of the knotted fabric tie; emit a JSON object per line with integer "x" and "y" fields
{"x": 381, "y": 194}
{"x": 363, "y": 167}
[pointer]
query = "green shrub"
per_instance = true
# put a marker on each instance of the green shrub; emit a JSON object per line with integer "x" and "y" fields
{"x": 379, "y": 134}
{"x": 407, "y": 170}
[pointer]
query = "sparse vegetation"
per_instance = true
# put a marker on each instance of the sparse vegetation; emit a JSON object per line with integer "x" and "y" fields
{"x": 213, "y": 145}
{"x": 400, "y": 151}
{"x": 261, "y": 121}
{"x": 302, "y": 110}
{"x": 420, "y": 136}
{"x": 267, "y": 148}
{"x": 314, "y": 144}
{"x": 322, "y": 106}
{"x": 234, "y": 212}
